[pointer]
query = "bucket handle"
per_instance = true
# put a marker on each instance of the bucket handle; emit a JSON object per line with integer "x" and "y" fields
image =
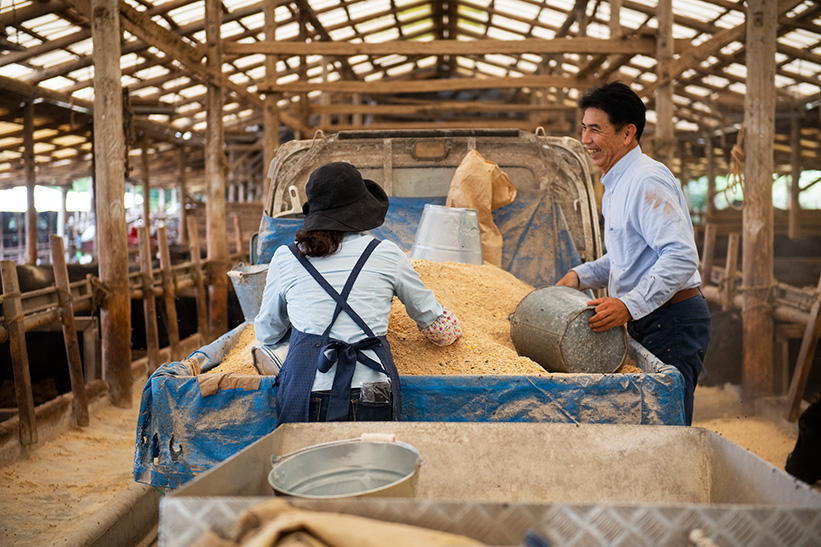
{"x": 365, "y": 437}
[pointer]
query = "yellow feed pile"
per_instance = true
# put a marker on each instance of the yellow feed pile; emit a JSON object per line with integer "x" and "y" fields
{"x": 239, "y": 360}
{"x": 482, "y": 297}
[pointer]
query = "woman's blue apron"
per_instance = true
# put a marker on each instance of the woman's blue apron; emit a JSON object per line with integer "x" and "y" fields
{"x": 309, "y": 352}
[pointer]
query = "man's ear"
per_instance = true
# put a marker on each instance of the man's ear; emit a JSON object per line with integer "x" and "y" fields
{"x": 630, "y": 133}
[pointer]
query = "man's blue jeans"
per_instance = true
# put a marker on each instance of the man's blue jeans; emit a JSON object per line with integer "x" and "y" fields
{"x": 678, "y": 334}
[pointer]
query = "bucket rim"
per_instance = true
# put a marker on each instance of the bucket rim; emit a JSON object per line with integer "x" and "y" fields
{"x": 333, "y": 444}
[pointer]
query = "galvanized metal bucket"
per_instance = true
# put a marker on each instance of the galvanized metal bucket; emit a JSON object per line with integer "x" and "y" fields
{"x": 550, "y": 326}
{"x": 249, "y": 283}
{"x": 375, "y": 465}
{"x": 448, "y": 234}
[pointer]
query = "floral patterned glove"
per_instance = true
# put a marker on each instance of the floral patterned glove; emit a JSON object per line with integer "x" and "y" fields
{"x": 445, "y": 330}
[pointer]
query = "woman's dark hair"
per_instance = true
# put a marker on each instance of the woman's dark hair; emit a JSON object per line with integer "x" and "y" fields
{"x": 318, "y": 243}
{"x": 619, "y": 102}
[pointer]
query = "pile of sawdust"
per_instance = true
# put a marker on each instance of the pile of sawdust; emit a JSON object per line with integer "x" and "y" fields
{"x": 482, "y": 298}
{"x": 239, "y": 359}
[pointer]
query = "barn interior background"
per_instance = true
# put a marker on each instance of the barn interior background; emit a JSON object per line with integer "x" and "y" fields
{"x": 153, "y": 123}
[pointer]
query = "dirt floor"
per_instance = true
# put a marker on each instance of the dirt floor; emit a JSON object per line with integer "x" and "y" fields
{"x": 60, "y": 486}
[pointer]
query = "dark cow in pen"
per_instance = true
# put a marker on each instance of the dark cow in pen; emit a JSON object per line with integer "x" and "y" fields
{"x": 804, "y": 462}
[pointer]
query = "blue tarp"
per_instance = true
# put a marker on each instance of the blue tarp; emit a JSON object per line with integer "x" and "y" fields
{"x": 537, "y": 247}
{"x": 182, "y": 433}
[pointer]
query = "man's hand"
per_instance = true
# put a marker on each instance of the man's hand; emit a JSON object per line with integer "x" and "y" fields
{"x": 570, "y": 279}
{"x": 610, "y": 312}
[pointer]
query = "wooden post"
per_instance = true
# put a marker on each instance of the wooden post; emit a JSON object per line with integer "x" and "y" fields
{"x": 237, "y": 234}
{"x": 707, "y": 253}
{"x": 199, "y": 281}
{"x": 62, "y": 214}
{"x": 709, "y": 154}
{"x": 109, "y": 161}
{"x": 149, "y": 300}
{"x": 146, "y": 184}
{"x": 217, "y": 236}
{"x": 793, "y": 205}
{"x": 79, "y": 403}
{"x": 665, "y": 47}
{"x": 757, "y": 262}
{"x": 356, "y": 100}
{"x": 802, "y": 365}
{"x": 15, "y": 326}
{"x": 169, "y": 294}
{"x": 728, "y": 291}
{"x": 31, "y": 182}
{"x": 182, "y": 225}
{"x": 270, "y": 136}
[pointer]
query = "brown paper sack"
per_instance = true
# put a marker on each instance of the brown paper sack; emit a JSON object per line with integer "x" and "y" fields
{"x": 480, "y": 184}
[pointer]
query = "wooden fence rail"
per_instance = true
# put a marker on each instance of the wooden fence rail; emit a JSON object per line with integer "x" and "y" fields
{"x": 24, "y": 312}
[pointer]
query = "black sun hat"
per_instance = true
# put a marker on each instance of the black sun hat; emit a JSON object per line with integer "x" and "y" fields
{"x": 340, "y": 199}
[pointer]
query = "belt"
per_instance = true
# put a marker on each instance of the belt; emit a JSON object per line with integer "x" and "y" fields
{"x": 681, "y": 296}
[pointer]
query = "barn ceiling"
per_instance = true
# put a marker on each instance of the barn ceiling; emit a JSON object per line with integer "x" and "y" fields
{"x": 442, "y": 63}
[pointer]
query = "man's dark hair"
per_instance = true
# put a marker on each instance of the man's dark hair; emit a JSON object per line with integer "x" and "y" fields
{"x": 619, "y": 102}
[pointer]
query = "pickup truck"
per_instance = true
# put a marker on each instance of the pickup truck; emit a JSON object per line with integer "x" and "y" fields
{"x": 188, "y": 424}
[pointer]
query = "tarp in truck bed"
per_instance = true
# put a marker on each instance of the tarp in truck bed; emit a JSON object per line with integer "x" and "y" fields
{"x": 537, "y": 246}
{"x": 181, "y": 433}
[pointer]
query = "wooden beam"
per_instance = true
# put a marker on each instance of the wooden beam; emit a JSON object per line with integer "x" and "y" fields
{"x": 809, "y": 343}
{"x": 426, "y": 86}
{"x": 634, "y": 46}
{"x": 109, "y": 175}
{"x": 437, "y": 107}
{"x": 664, "y": 141}
{"x": 757, "y": 214}
{"x": 13, "y": 314}
{"x": 216, "y": 232}
{"x": 31, "y": 182}
{"x": 79, "y": 403}
{"x": 692, "y": 57}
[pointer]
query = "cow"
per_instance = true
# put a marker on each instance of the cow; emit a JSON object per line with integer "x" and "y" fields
{"x": 804, "y": 462}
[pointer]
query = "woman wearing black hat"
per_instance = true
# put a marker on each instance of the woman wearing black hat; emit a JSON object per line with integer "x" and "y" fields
{"x": 334, "y": 287}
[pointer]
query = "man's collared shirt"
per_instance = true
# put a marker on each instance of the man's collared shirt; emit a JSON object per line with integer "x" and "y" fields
{"x": 648, "y": 234}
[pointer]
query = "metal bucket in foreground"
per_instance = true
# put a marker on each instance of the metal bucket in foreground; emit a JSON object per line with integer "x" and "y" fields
{"x": 448, "y": 234}
{"x": 249, "y": 283}
{"x": 550, "y": 326}
{"x": 346, "y": 469}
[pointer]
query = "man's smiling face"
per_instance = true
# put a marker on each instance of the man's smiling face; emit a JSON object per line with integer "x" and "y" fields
{"x": 605, "y": 143}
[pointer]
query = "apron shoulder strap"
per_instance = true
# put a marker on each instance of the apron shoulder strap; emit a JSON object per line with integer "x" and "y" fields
{"x": 341, "y": 299}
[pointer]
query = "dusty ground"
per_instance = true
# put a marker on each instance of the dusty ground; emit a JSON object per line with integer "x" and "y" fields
{"x": 56, "y": 489}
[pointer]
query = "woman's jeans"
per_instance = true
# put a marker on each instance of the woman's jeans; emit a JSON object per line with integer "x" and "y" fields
{"x": 359, "y": 411}
{"x": 678, "y": 334}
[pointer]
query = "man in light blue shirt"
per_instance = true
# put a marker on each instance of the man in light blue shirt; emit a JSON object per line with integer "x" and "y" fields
{"x": 651, "y": 264}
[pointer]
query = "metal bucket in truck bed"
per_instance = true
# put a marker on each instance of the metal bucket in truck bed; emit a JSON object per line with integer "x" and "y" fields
{"x": 575, "y": 484}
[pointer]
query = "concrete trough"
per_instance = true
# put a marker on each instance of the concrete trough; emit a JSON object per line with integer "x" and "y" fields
{"x": 612, "y": 482}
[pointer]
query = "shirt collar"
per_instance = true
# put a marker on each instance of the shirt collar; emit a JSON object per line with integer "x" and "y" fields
{"x": 612, "y": 176}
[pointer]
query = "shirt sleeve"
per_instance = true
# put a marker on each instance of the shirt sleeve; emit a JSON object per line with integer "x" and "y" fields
{"x": 665, "y": 227}
{"x": 419, "y": 301}
{"x": 271, "y": 323}
{"x": 594, "y": 274}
